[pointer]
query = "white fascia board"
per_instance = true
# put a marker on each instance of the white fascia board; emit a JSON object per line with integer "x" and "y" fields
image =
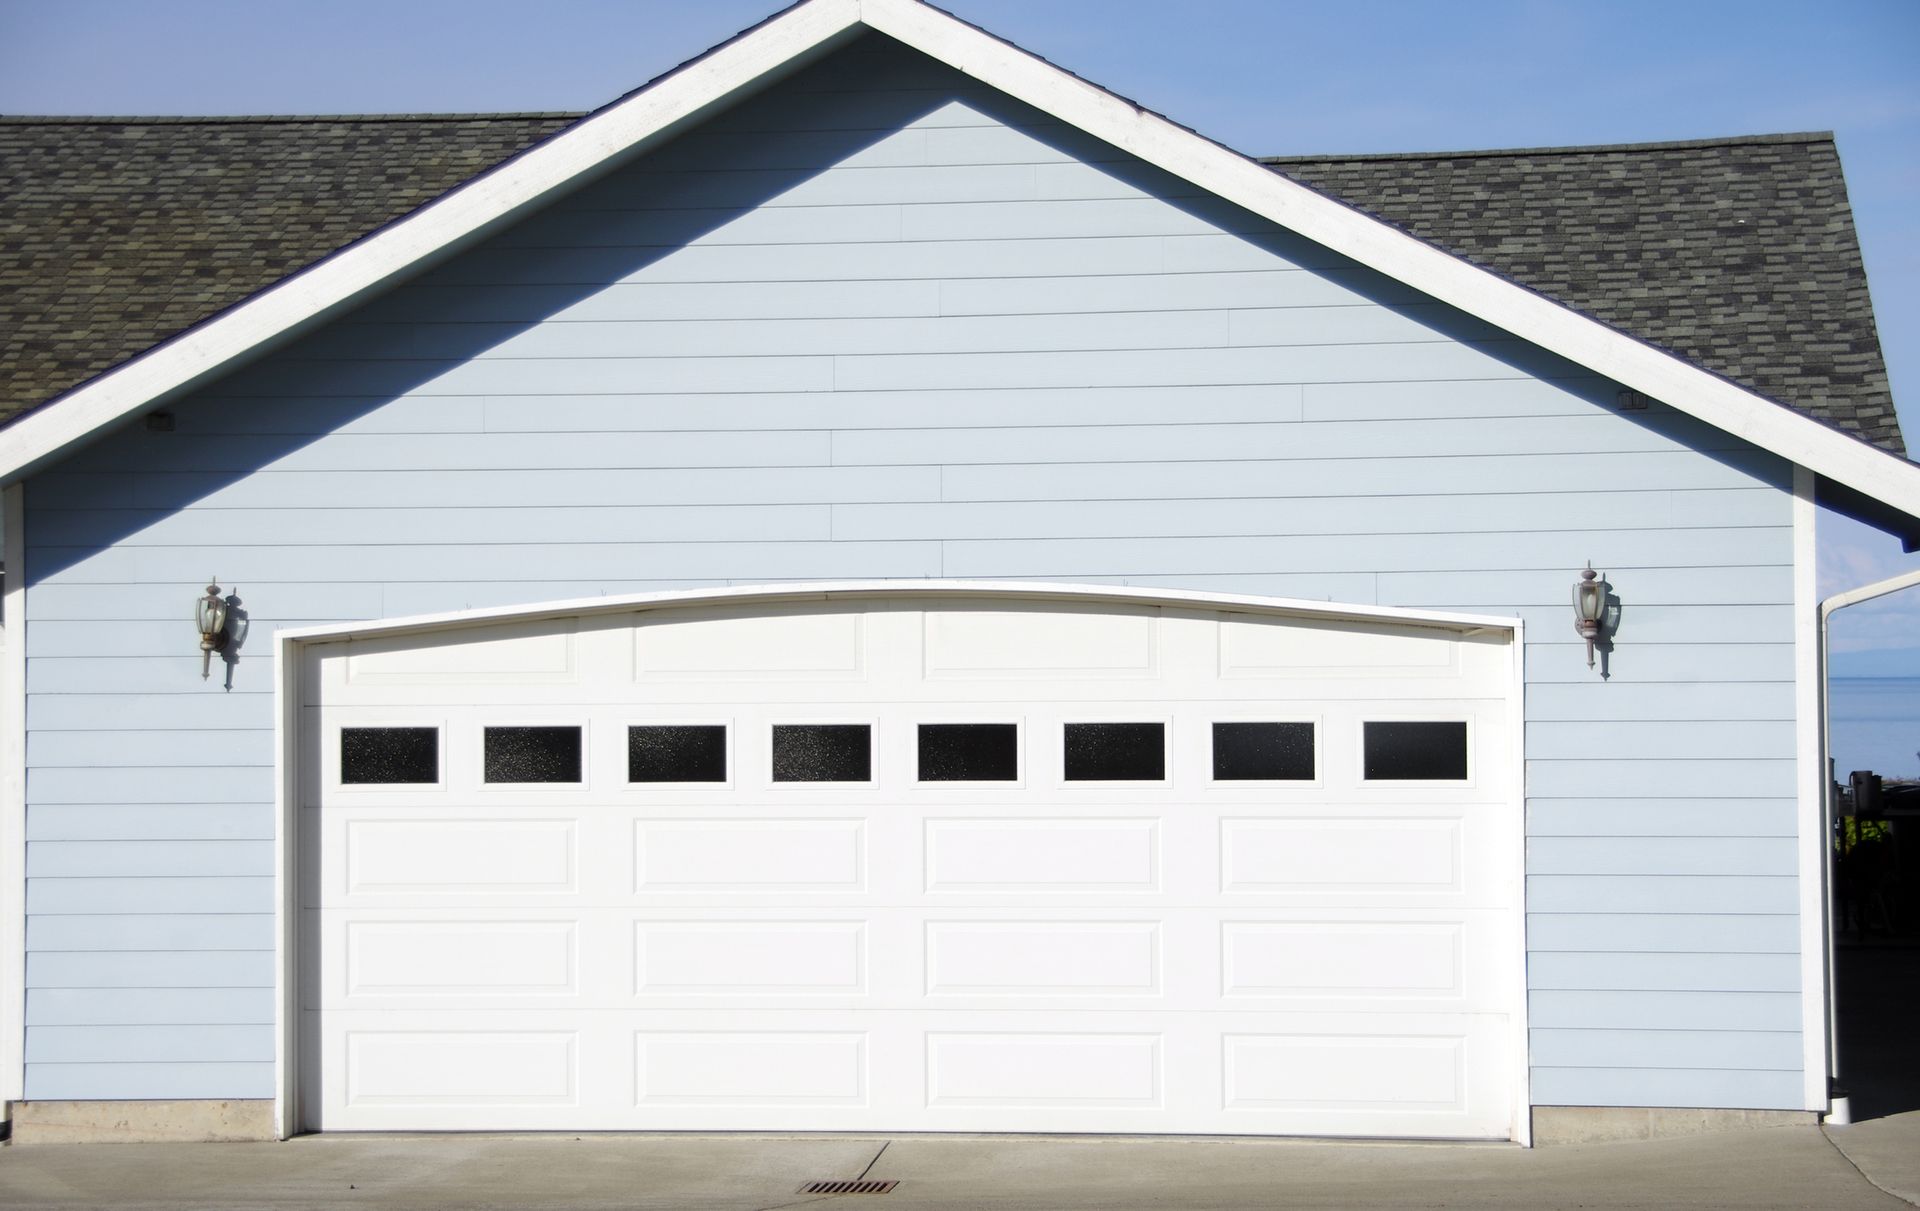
{"x": 810, "y": 28}
{"x": 1465, "y": 624}
{"x": 1232, "y": 176}
{"x": 467, "y": 214}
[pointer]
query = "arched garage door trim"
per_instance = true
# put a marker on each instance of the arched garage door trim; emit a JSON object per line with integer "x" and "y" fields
{"x": 293, "y": 1050}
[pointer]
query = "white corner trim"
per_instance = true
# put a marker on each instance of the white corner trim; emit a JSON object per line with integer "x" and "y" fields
{"x": 811, "y": 27}
{"x": 1809, "y": 678}
{"x": 286, "y": 900}
{"x": 1517, "y": 770}
{"x": 13, "y": 799}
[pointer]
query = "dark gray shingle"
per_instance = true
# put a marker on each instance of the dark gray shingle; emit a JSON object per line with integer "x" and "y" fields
{"x": 1738, "y": 255}
{"x": 117, "y": 233}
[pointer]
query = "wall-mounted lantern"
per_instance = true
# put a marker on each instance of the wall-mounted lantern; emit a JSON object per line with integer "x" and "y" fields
{"x": 210, "y": 615}
{"x": 1590, "y": 607}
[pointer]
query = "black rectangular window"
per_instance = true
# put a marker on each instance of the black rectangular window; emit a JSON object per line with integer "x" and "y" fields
{"x": 822, "y": 752}
{"x": 1263, "y": 752}
{"x": 677, "y": 753}
{"x": 532, "y": 754}
{"x": 1416, "y": 750}
{"x": 969, "y": 752}
{"x": 372, "y": 756}
{"x": 1116, "y": 752}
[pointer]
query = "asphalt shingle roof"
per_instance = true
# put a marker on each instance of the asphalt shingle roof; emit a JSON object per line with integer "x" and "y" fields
{"x": 117, "y": 233}
{"x": 1737, "y": 254}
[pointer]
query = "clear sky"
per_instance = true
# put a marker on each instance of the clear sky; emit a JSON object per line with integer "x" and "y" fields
{"x": 1263, "y": 76}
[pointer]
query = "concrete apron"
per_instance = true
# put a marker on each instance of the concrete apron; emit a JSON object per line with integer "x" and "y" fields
{"x": 196, "y": 1122}
{"x": 1789, "y": 1166}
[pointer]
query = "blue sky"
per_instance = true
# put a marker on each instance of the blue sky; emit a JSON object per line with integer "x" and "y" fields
{"x": 1263, "y": 76}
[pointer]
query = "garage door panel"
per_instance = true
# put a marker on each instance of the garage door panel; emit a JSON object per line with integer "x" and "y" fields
{"x": 1088, "y": 958}
{"x": 1321, "y": 954}
{"x": 1052, "y": 856}
{"x": 750, "y": 958}
{"x": 1320, "y": 1073}
{"x": 1355, "y": 859}
{"x": 751, "y": 1069}
{"x": 766, "y": 854}
{"x": 1185, "y": 958}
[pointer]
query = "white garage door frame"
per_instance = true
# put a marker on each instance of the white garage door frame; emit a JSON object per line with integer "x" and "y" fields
{"x": 288, "y": 696}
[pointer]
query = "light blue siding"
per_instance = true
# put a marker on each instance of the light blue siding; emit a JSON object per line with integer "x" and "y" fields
{"x": 1661, "y": 855}
{"x": 133, "y": 1082}
{"x": 150, "y": 1006}
{"x": 134, "y": 1044}
{"x": 1648, "y": 740}
{"x": 147, "y": 822}
{"x": 1665, "y": 972}
{"x": 194, "y": 894}
{"x": 146, "y": 784}
{"x": 1651, "y": 933}
{"x": 151, "y": 969}
{"x": 1664, "y": 700}
{"x": 107, "y": 859}
{"x": 1630, "y": 779}
{"x": 153, "y": 931}
{"x": 1778, "y": 1050}
{"x": 1679, "y": 895}
{"x": 1591, "y": 1009}
{"x": 151, "y": 748}
{"x": 1591, "y": 817}
{"x": 881, "y": 323}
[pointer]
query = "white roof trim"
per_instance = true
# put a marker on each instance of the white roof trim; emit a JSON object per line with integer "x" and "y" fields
{"x": 851, "y": 590}
{"x": 811, "y": 27}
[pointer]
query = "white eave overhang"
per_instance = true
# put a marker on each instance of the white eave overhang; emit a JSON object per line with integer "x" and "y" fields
{"x": 810, "y": 29}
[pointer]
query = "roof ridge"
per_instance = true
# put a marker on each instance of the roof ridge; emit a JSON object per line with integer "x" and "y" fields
{"x": 225, "y": 119}
{"x": 1808, "y": 136}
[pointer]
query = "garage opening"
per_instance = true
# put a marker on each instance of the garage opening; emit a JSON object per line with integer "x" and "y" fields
{"x": 911, "y": 861}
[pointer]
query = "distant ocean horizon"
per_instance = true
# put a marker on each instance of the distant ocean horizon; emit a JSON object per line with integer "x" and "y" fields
{"x": 1875, "y": 723}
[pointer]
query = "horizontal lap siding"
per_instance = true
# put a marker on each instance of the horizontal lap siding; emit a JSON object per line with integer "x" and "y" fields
{"x": 886, "y": 325}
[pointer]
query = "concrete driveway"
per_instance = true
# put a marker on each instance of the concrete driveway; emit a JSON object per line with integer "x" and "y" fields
{"x": 1779, "y": 1167}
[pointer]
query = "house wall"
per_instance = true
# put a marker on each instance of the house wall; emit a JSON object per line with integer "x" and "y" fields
{"x": 878, "y": 323}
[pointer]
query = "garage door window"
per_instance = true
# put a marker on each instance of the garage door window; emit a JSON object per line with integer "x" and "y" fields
{"x": 969, "y": 752}
{"x": 677, "y": 753}
{"x": 1247, "y": 751}
{"x": 372, "y": 756}
{"x": 822, "y": 752}
{"x": 1115, "y": 752}
{"x": 1415, "y": 750}
{"x": 532, "y": 754}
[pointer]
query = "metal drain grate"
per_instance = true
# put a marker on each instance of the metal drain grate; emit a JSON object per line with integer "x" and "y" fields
{"x": 844, "y": 1187}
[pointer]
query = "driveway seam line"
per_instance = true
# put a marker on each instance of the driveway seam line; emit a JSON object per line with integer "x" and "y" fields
{"x": 1827, "y": 1135}
{"x": 884, "y": 1145}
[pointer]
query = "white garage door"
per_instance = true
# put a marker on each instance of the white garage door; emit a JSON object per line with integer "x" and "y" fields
{"x": 916, "y": 865}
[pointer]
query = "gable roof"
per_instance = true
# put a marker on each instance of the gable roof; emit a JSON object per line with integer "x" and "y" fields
{"x": 1738, "y": 255}
{"x": 632, "y": 125}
